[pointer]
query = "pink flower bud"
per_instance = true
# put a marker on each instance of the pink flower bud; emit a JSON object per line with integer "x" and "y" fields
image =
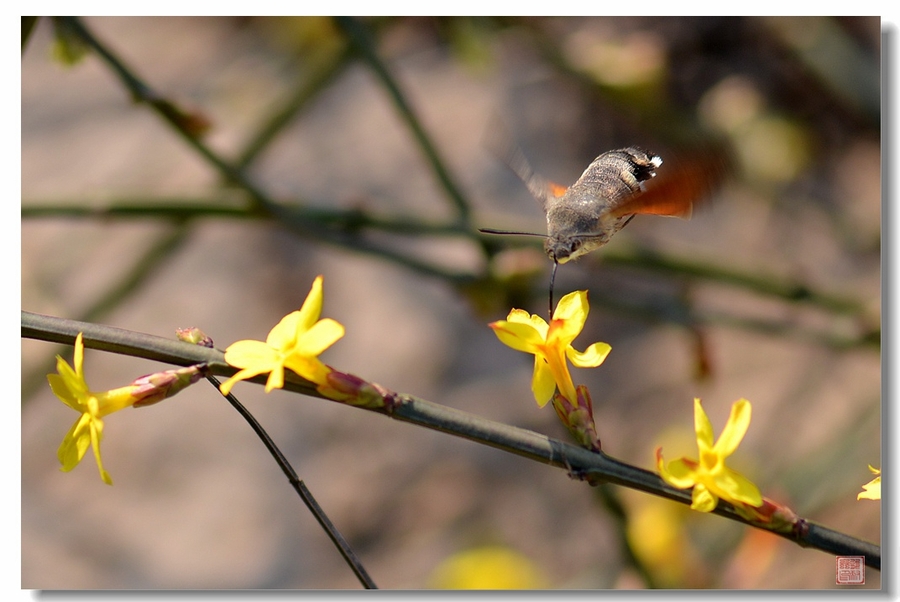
{"x": 155, "y": 387}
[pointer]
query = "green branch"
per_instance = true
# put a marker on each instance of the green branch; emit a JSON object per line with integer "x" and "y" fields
{"x": 364, "y": 45}
{"x": 594, "y": 467}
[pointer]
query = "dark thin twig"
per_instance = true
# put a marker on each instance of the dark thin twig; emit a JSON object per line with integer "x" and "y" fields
{"x": 305, "y": 494}
{"x": 595, "y": 467}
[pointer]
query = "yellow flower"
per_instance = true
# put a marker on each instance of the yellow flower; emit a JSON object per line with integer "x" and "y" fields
{"x": 873, "y": 487}
{"x": 709, "y": 476}
{"x": 294, "y": 343}
{"x": 552, "y": 344}
{"x": 488, "y": 567}
{"x": 70, "y": 387}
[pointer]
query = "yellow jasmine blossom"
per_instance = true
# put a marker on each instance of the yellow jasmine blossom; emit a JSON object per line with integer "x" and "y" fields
{"x": 294, "y": 343}
{"x": 69, "y": 385}
{"x": 873, "y": 487}
{"x": 709, "y": 476}
{"x": 488, "y": 567}
{"x": 551, "y": 344}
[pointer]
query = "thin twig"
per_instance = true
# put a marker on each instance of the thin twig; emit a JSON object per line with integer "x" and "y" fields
{"x": 303, "y": 491}
{"x": 595, "y": 467}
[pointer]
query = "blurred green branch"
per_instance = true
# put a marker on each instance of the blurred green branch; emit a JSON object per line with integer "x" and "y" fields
{"x": 152, "y": 259}
{"x": 763, "y": 284}
{"x": 323, "y": 73}
{"x": 287, "y": 216}
{"x": 342, "y": 226}
{"x": 28, "y": 24}
{"x": 595, "y": 467}
{"x": 364, "y": 45}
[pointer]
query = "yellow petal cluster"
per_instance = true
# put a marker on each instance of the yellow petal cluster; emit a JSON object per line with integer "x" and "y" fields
{"x": 551, "y": 345}
{"x": 709, "y": 476}
{"x": 70, "y": 387}
{"x": 294, "y": 343}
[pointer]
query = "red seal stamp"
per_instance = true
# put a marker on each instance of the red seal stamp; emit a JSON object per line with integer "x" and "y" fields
{"x": 850, "y": 570}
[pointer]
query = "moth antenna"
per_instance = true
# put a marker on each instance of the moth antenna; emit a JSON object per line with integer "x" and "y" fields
{"x": 510, "y": 232}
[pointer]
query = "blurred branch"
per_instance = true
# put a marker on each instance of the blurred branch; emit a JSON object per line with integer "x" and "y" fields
{"x": 595, "y": 467}
{"x": 28, "y": 24}
{"x": 836, "y": 60}
{"x": 610, "y": 500}
{"x": 291, "y": 220}
{"x": 152, "y": 259}
{"x": 763, "y": 284}
{"x": 178, "y": 209}
{"x": 166, "y": 109}
{"x": 363, "y": 44}
{"x": 342, "y": 227}
{"x": 324, "y": 72}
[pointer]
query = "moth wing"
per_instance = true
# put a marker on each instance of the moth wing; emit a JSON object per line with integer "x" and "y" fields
{"x": 680, "y": 185}
{"x": 500, "y": 143}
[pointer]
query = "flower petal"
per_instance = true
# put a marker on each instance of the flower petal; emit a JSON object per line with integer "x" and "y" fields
{"x": 735, "y": 487}
{"x": 284, "y": 334}
{"x": 96, "y": 436}
{"x": 312, "y": 306}
{"x": 245, "y": 374}
{"x": 735, "y": 428}
{"x": 310, "y": 368}
{"x": 252, "y": 355}
{"x": 276, "y": 378}
{"x": 573, "y": 308}
{"x": 592, "y": 357}
{"x": 78, "y": 358}
{"x": 521, "y": 337}
{"x": 62, "y": 389}
{"x": 702, "y": 427}
{"x": 75, "y": 443}
{"x": 543, "y": 385}
{"x": 320, "y": 337}
{"x": 702, "y": 499}
{"x": 680, "y": 473}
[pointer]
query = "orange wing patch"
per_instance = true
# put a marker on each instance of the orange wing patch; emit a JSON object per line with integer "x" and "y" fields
{"x": 674, "y": 192}
{"x": 557, "y": 190}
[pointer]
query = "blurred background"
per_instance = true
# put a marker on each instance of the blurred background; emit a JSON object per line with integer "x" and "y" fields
{"x": 370, "y": 135}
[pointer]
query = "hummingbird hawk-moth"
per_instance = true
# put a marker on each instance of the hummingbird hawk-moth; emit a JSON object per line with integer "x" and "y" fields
{"x": 615, "y": 187}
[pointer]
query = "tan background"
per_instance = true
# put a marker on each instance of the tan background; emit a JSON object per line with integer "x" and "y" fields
{"x": 198, "y": 503}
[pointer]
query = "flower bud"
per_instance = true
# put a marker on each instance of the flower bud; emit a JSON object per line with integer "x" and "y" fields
{"x": 194, "y": 335}
{"x": 578, "y": 417}
{"x": 155, "y": 387}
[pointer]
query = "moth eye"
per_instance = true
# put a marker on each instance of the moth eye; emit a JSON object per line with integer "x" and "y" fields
{"x": 574, "y": 245}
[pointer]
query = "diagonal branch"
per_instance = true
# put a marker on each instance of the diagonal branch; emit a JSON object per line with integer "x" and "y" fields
{"x": 594, "y": 467}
